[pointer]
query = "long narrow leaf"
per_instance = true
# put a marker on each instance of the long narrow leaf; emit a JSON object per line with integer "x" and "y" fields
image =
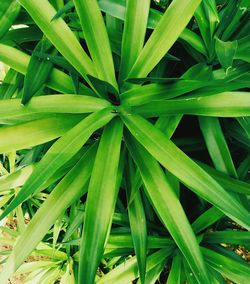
{"x": 9, "y": 10}
{"x": 170, "y": 27}
{"x": 230, "y": 237}
{"x": 96, "y": 36}
{"x": 117, "y": 9}
{"x": 128, "y": 271}
{"x": 137, "y": 220}
{"x": 236, "y": 271}
{"x": 51, "y": 104}
{"x": 37, "y": 71}
{"x": 228, "y": 104}
{"x": 67, "y": 191}
{"x": 226, "y": 181}
{"x": 34, "y": 133}
{"x": 187, "y": 171}
{"x": 59, "y": 34}
{"x": 57, "y": 79}
{"x": 217, "y": 145}
{"x": 168, "y": 208}
{"x": 133, "y": 35}
{"x": 101, "y": 199}
{"x": 174, "y": 276}
{"x": 206, "y": 219}
{"x": 60, "y": 153}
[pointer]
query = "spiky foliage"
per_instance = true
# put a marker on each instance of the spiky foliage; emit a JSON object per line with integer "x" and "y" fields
{"x": 125, "y": 140}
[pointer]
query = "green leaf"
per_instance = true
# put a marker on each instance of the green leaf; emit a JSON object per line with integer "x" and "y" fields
{"x": 217, "y": 145}
{"x": 153, "y": 274}
{"x": 57, "y": 79}
{"x": 243, "y": 49}
{"x": 226, "y": 52}
{"x": 168, "y": 208}
{"x": 140, "y": 81}
{"x": 37, "y": 71}
{"x": 117, "y": 9}
{"x": 174, "y": 276}
{"x": 148, "y": 93}
{"x": 9, "y": 10}
{"x": 222, "y": 86}
{"x": 200, "y": 71}
{"x": 194, "y": 78}
{"x": 9, "y": 84}
{"x": 63, "y": 195}
{"x": 170, "y": 27}
{"x": 207, "y": 19}
{"x": 186, "y": 170}
{"x": 58, "y": 60}
{"x": 60, "y": 153}
{"x": 60, "y": 35}
{"x": 225, "y": 180}
{"x": 32, "y": 266}
{"x": 135, "y": 26}
{"x": 22, "y": 35}
{"x": 50, "y": 104}
{"x": 243, "y": 168}
{"x": 229, "y": 237}
{"x": 127, "y": 271}
{"x": 121, "y": 241}
{"x": 245, "y": 124}
{"x": 191, "y": 38}
{"x": 137, "y": 220}
{"x": 231, "y": 19}
{"x": 20, "y": 176}
{"x": 63, "y": 10}
{"x": 68, "y": 277}
{"x": 236, "y": 271}
{"x": 105, "y": 90}
{"x": 15, "y": 179}
{"x": 227, "y": 104}
{"x": 35, "y": 132}
{"x": 96, "y": 36}
{"x": 206, "y": 219}
{"x": 101, "y": 200}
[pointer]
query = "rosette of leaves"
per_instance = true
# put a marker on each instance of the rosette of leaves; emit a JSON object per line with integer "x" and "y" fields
{"x": 125, "y": 139}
